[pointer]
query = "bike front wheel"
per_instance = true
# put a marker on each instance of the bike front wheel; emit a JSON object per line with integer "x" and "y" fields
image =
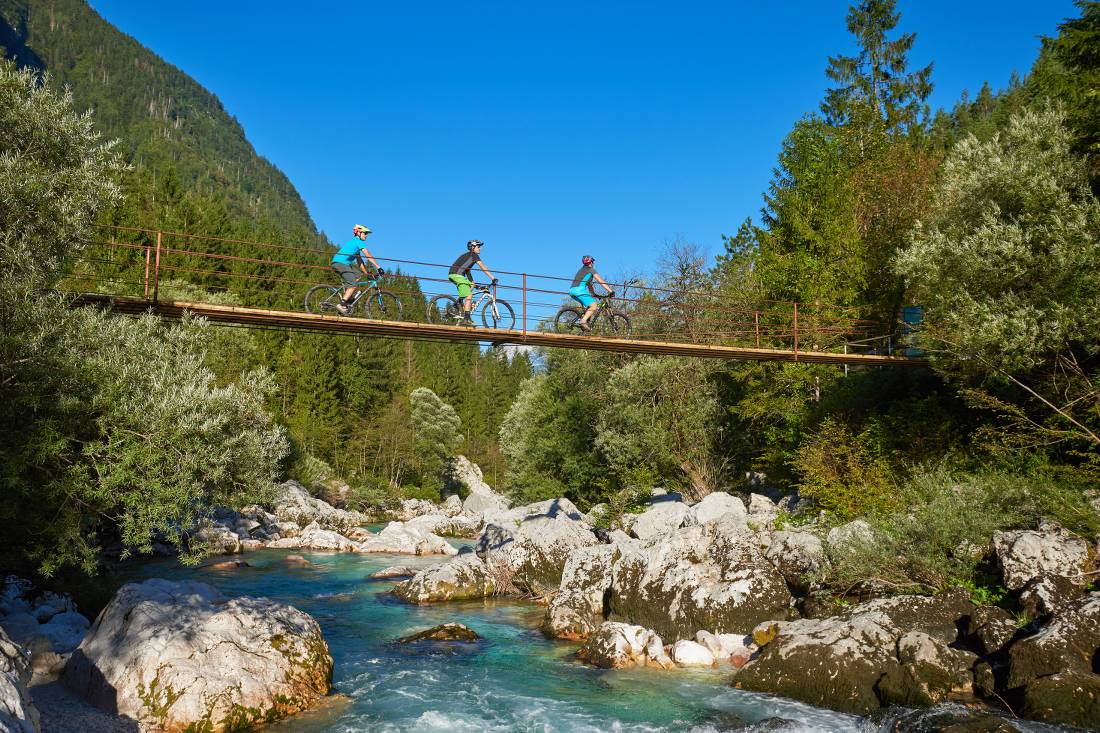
{"x": 323, "y": 299}
{"x": 620, "y": 324}
{"x": 383, "y": 305}
{"x": 443, "y": 309}
{"x": 567, "y": 318}
{"x": 498, "y": 314}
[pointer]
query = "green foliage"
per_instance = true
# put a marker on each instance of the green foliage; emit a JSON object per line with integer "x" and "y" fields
{"x": 436, "y": 425}
{"x": 1068, "y": 72}
{"x": 549, "y": 433}
{"x": 1008, "y": 267}
{"x": 1009, "y": 262}
{"x": 111, "y": 427}
{"x": 939, "y": 534}
{"x": 138, "y": 441}
{"x": 984, "y": 589}
{"x": 661, "y": 415}
{"x": 875, "y": 86}
{"x": 55, "y": 174}
{"x": 844, "y": 474}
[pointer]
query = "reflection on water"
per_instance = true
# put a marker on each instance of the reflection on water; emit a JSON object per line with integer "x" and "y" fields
{"x": 517, "y": 680}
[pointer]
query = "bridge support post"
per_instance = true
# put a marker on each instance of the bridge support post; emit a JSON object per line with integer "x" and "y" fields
{"x": 524, "y": 276}
{"x": 756, "y": 323}
{"x": 796, "y": 331}
{"x": 156, "y": 271}
{"x": 148, "y": 257}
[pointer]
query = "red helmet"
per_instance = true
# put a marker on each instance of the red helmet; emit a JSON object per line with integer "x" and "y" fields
{"x": 588, "y": 260}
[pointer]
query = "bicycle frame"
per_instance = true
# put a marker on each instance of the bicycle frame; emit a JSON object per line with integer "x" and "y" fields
{"x": 486, "y": 293}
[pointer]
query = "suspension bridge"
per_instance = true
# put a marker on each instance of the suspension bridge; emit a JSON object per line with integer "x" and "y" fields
{"x": 263, "y": 285}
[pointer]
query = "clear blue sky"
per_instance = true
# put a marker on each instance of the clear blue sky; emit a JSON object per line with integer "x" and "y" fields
{"x": 547, "y": 130}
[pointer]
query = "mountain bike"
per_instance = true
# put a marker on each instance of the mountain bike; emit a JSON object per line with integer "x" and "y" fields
{"x": 606, "y": 318}
{"x": 495, "y": 313}
{"x": 378, "y": 304}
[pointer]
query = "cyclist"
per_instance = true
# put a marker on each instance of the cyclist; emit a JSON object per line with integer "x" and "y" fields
{"x": 344, "y": 261}
{"x": 581, "y": 292}
{"x": 459, "y": 274}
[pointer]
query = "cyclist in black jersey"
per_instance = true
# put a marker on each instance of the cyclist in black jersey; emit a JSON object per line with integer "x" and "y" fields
{"x": 581, "y": 292}
{"x": 460, "y": 275}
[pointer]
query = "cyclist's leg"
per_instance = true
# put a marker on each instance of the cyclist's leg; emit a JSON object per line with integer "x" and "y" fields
{"x": 465, "y": 291}
{"x": 349, "y": 276}
{"x": 587, "y": 301}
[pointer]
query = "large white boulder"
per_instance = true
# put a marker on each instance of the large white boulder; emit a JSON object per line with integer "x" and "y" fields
{"x": 687, "y": 653}
{"x": 662, "y": 518}
{"x": 717, "y": 505}
{"x": 1050, "y": 551}
{"x": 797, "y": 554}
{"x": 294, "y": 504}
{"x": 65, "y": 631}
{"x": 481, "y": 502}
{"x": 315, "y": 538}
{"x": 406, "y": 538}
{"x": 218, "y": 539}
{"x": 577, "y": 608}
{"x": 617, "y": 645}
{"x": 451, "y": 506}
{"x": 535, "y": 552}
{"x": 413, "y": 508}
{"x": 178, "y": 654}
{"x": 465, "y": 577}
{"x": 709, "y": 576}
{"x": 17, "y": 711}
{"x": 463, "y": 476}
{"x": 867, "y": 657}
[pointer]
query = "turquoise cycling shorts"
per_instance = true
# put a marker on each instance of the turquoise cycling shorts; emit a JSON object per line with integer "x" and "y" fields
{"x": 582, "y": 296}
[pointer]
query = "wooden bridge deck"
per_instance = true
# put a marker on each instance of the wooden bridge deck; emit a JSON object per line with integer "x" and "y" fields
{"x": 256, "y": 317}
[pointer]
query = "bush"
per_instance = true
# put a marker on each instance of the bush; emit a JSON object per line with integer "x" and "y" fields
{"x": 940, "y": 534}
{"x": 844, "y": 474}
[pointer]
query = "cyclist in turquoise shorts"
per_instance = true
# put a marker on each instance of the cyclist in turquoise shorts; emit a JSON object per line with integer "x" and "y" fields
{"x": 460, "y": 275}
{"x": 346, "y": 259}
{"x": 581, "y": 292}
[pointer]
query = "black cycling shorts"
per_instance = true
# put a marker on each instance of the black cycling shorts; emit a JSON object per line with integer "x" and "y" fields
{"x": 350, "y": 275}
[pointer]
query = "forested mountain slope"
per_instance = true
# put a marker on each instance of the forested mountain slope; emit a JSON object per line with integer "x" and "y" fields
{"x": 343, "y": 400}
{"x": 165, "y": 121}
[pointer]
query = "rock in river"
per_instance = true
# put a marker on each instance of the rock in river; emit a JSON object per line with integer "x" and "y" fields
{"x": 443, "y": 632}
{"x": 179, "y": 654}
{"x": 887, "y": 651}
{"x": 708, "y": 576}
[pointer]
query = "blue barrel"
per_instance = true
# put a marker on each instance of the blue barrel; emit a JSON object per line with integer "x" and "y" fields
{"x": 912, "y": 317}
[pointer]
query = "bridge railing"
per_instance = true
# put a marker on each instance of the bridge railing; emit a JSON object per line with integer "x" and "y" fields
{"x": 163, "y": 265}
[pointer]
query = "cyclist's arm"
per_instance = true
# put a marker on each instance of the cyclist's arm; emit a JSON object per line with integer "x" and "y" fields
{"x": 370, "y": 257}
{"x": 485, "y": 270}
{"x": 600, "y": 280}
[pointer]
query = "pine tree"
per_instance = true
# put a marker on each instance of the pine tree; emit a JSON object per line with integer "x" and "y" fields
{"x": 875, "y": 87}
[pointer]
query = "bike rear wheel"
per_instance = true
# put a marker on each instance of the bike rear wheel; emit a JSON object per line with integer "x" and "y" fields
{"x": 382, "y": 305}
{"x": 502, "y": 317}
{"x": 443, "y": 309}
{"x": 567, "y": 318}
{"x": 323, "y": 299}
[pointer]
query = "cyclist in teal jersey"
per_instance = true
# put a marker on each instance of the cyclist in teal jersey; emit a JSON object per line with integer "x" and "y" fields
{"x": 344, "y": 263}
{"x": 580, "y": 289}
{"x": 459, "y": 274}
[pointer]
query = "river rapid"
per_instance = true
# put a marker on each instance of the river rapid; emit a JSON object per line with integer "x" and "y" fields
{"x": 515, "y": 680}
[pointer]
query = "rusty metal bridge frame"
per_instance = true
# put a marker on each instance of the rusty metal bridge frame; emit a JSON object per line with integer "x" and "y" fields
{"x": 125, "y": 269}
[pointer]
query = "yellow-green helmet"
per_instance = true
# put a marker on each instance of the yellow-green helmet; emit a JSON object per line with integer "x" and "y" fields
{"x": 360, "y": 228}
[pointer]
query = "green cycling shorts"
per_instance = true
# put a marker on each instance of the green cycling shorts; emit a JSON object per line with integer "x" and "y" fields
{"x": 464, "y": 285}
